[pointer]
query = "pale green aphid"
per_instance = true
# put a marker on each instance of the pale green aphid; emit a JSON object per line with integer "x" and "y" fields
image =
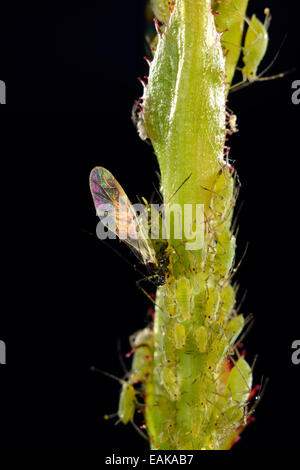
{"x": 234, "y": 328}
{"x": 171, "y": 305}
{"x": 211, "y": 305}
{"x": 226, "y": 338}
{"x": 178, "y": 336}
{"x": 254, "y": 49}
{"x": 255, "y": 46}
{"x": 127, "y": 403}
{"x": 170, "y": 383}
{"x": 184, "y": 297}
{"x": 170, "y": 300}
{"x": 236, "y": 393}
{"x": 225, "y": 253}
{"x": 201, "y": 337}
{"x": 239, "y": 383}
{"x": 227, "y": 303}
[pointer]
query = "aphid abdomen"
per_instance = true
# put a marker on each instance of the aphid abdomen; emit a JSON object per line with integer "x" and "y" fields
{"x": 201, "y": 337}
{"x": 127, "y": 403}
{"x": 184, "y": 298}
{"x": 179, "y": 336}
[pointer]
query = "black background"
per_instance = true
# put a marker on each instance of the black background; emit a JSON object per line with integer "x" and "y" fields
{"x": 71, "y": 76}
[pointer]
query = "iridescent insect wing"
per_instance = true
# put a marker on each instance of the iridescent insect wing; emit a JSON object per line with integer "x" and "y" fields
{"x": 117, "y": 213}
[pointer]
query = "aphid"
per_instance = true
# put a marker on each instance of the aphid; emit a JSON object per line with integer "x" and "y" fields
{"x": 184, "y": 298}
{"x": 254, "y": 49}
{"x": 234, "y": 328}
{"x": 116, "y": 212}
{"x": 255, "y": 46}
{"x": 239, "y": 382}
{"x": 170, "y": 383}
{"x": 201, "y": 337}
{"x": 127, "y": 402}
{"x": 178, "y": 336}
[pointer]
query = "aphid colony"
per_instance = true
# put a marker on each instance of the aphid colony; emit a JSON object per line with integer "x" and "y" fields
{"x": 197, "y": 395}
{"x": 198, "y": 321}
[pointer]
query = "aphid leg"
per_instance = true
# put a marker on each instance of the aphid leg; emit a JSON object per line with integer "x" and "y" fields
{"x": 260, "y": 78}
{"x": 145, "y": 292}
{"x": 259, "y": 397}
{"x": 141, "y": 433}
{"x": 279, "y": 75}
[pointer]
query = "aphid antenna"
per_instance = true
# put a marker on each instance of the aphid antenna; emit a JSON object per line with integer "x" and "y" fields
{"x": 139, "y": 198}
{"x": 139, "y": 405}
{"x": 111, "y": 376}
{"x": 272, "y": 63}
{"x": 241, "y": 260}
{"x": 249, "y": 319}
{"x": 158, "y": 175}
{"x": 267, "y": 21}
{"x": 120, "y": 357}
{"x": 213, "y": 404}
{"x": 225, "y": 427}
{"x": 141, "y": 433}
{"x": 268, "y": 18}
{"x": 211, "y": 191}
{"x": 237, "y": 310}
{"x": 263, "y": 385}
{"x": 157, "y": 192}
{"x": 175, "y": 192}
{"x": 112, "y": 415}
{"x": 236, "y": 351}
{"x": 145, "y": 292}
{"x": 224, "y": 217}
{"x": 221, "y": 395}
{"x": 236, "y": 217}
{"x": 260, "y": 78}
{"x": 228, "y": 109}
{"x": 254, "y": 362}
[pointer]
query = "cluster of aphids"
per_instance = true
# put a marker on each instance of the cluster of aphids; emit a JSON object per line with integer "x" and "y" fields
{"x": 157, "y": 256}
